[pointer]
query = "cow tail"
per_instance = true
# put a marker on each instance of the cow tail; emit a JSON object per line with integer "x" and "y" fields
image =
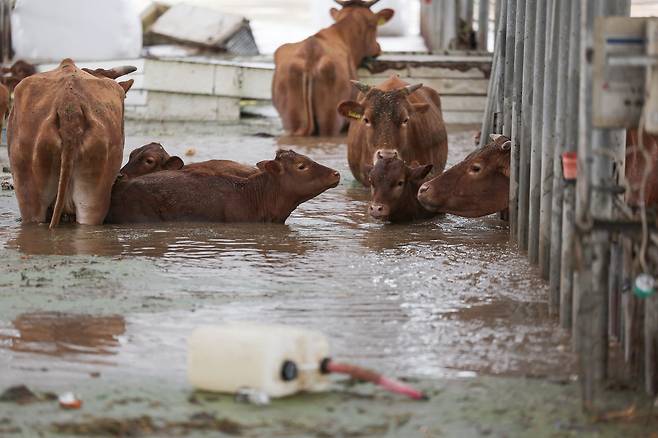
{"x": 71, "y": 124}
{"x": 307, "y": 93}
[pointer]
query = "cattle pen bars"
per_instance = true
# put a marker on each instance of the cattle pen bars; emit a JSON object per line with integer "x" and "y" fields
{"x": 581, "y": 234}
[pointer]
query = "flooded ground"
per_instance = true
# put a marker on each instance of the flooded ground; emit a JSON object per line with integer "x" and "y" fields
{"x": 448, "y": 303}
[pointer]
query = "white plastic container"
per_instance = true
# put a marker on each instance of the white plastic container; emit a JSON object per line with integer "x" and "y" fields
{"x": 276, "y": 360}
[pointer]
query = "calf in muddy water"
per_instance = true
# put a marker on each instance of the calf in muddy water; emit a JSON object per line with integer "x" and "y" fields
{"x": 270, "y": 195}
{"x": 394, "y": 186}
{"x": 153, "y": 157}
{"x": 478, "y": 186}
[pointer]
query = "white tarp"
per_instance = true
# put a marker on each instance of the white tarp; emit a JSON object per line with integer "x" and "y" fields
{"x": 398, "y": 26}
{"x": 50, "y": 30}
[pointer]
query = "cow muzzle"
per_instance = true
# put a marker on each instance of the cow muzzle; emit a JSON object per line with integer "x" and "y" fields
{"x": 379, "y": 211}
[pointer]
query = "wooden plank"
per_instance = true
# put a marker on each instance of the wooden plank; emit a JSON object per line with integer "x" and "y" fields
{"x": 463, "y": 117}
{"x": 444, "y": 86}
{"x": 179, "y": 77}
{"x": 164, "y": 106}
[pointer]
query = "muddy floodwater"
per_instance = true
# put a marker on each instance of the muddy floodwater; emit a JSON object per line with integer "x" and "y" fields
{"x": 105, "y": 311}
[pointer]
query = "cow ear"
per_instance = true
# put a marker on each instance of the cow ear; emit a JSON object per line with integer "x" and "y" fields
{"x": 270, "y": 166}
{"x": 126, "y": 85}
{"x": 420, "y": 107}
{"x": 419, "y": 173}
{"x": 174, "y": 163}
{"x": 384, "y": 16}
{"x": 334, "y": 13}
{"x": 351, "y": 109}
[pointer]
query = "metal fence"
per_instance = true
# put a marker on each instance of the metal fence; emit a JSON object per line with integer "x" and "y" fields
{"x": 584, "y": 239}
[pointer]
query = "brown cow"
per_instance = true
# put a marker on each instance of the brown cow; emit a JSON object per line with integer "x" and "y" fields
{"x": 270, "y": 195}
{"x": 66, "y": 142}
{"x": 4, "y": 104}
{"x": 635, "y": 168}
{"x": 395, "y": 115}
{"x": 148, "y": 159}
{"x": 153, "y": 157}
{"x": 311, "y": 77}
{"x": 478, "y": 186}
{"x": 394, "y": 186}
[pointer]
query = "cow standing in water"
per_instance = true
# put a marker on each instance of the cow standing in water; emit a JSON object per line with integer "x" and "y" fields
{"x": 477, "y": 186}
{"x": 312, "y": 76}
{"x": 66, "y": 138}
{"x": 395, "y": 116}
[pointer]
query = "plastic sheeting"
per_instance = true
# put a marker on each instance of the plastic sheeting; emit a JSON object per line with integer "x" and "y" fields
{"x": 398, "y": 26}
{"x": 84, "y": 30}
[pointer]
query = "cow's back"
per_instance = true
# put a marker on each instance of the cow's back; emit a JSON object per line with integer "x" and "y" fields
{"x": 63, "y": 109}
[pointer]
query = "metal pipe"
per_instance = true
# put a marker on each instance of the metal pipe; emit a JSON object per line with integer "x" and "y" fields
{"x": 560, "y": 138}
{"x": 526, "y": 123}
{"x": 483, "y": 25}
{"x": 509, "y": 67}
{"x": 570, "y": 145}
{"x": 517, "y": 84}
{"x": 541, "y": 24}
{"x": 548, "y": 139}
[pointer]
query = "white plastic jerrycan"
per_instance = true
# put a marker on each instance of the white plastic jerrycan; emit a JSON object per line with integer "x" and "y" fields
{"x": 276, "y": 360}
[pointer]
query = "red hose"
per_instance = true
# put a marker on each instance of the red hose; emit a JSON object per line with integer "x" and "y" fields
{"x": 367, "y": 375}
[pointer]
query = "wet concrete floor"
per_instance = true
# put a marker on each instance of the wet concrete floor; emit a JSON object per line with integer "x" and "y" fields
{"x": 449, "y": 303}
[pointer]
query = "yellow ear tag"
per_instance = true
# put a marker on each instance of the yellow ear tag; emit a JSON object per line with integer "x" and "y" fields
{"x": 354, "y": 115}
{"x": 381, "y": 22}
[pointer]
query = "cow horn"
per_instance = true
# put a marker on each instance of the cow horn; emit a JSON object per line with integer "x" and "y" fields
{"x": 364, "y": 88}
{"x": 495, "y": 137}
{"x": 411, "y": 88}
{"x": 114, "y": 73}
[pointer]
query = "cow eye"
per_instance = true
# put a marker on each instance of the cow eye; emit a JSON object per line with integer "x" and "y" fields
{"x": 400, "y": 183}
{"x": 405, "y": 121}
{"x": 366, "y": 121}
{"x": 149, "y": 161}
{"x": 301, "y": 166}
{"x": 475, "y": 168}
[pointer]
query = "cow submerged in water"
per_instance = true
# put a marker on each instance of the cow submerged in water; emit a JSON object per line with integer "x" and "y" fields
{"x": 312, "y": 76}
{"x": 66, "y": 137}
{"x": 394, "y": 186}
{"x": 475, "y": 187}
{"x": 153, "y": 157}
{"x": 198, "y": 195}
{"x": 395, "y": 116}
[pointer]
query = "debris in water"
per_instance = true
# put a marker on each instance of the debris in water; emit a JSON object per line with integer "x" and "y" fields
{"x": 7, "y": 184}
{"x": 22, "y": 395}
{"x": 68, "y": 400}
{"x": 190, "y": 152}
{"x": 252, "y": 396}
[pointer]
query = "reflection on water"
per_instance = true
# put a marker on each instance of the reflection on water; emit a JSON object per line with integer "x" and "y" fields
{"x": 425, "y": 298}
{"x": 59, "y": 334}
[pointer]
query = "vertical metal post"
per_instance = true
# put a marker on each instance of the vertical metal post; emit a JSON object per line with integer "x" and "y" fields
{"x": 526, "y": 122}
{"x": 466, "y": 11}
{"x": 570, "y": 145}
{"x": 509, "y": 67}
{"x": 548, "y": 139}
{"x": 515, "y": 134}
{"x": 500, "y": 92}
{"x": 493, "y": 90}
{"x": 560, "y": 136}
{"x": 542, "y": 23}
{"x": 483, "y": 24}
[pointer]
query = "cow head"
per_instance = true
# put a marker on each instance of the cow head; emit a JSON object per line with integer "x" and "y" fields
{"x": 11, "y": 76}
{"x": 364, "y": 30}
{"x": 476, "y": 187}
{"x": 148, "y": 159}
{"x": 393, "y": 185}
{"x": 299, "y": 176}
{"x": 385, "y": 115}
